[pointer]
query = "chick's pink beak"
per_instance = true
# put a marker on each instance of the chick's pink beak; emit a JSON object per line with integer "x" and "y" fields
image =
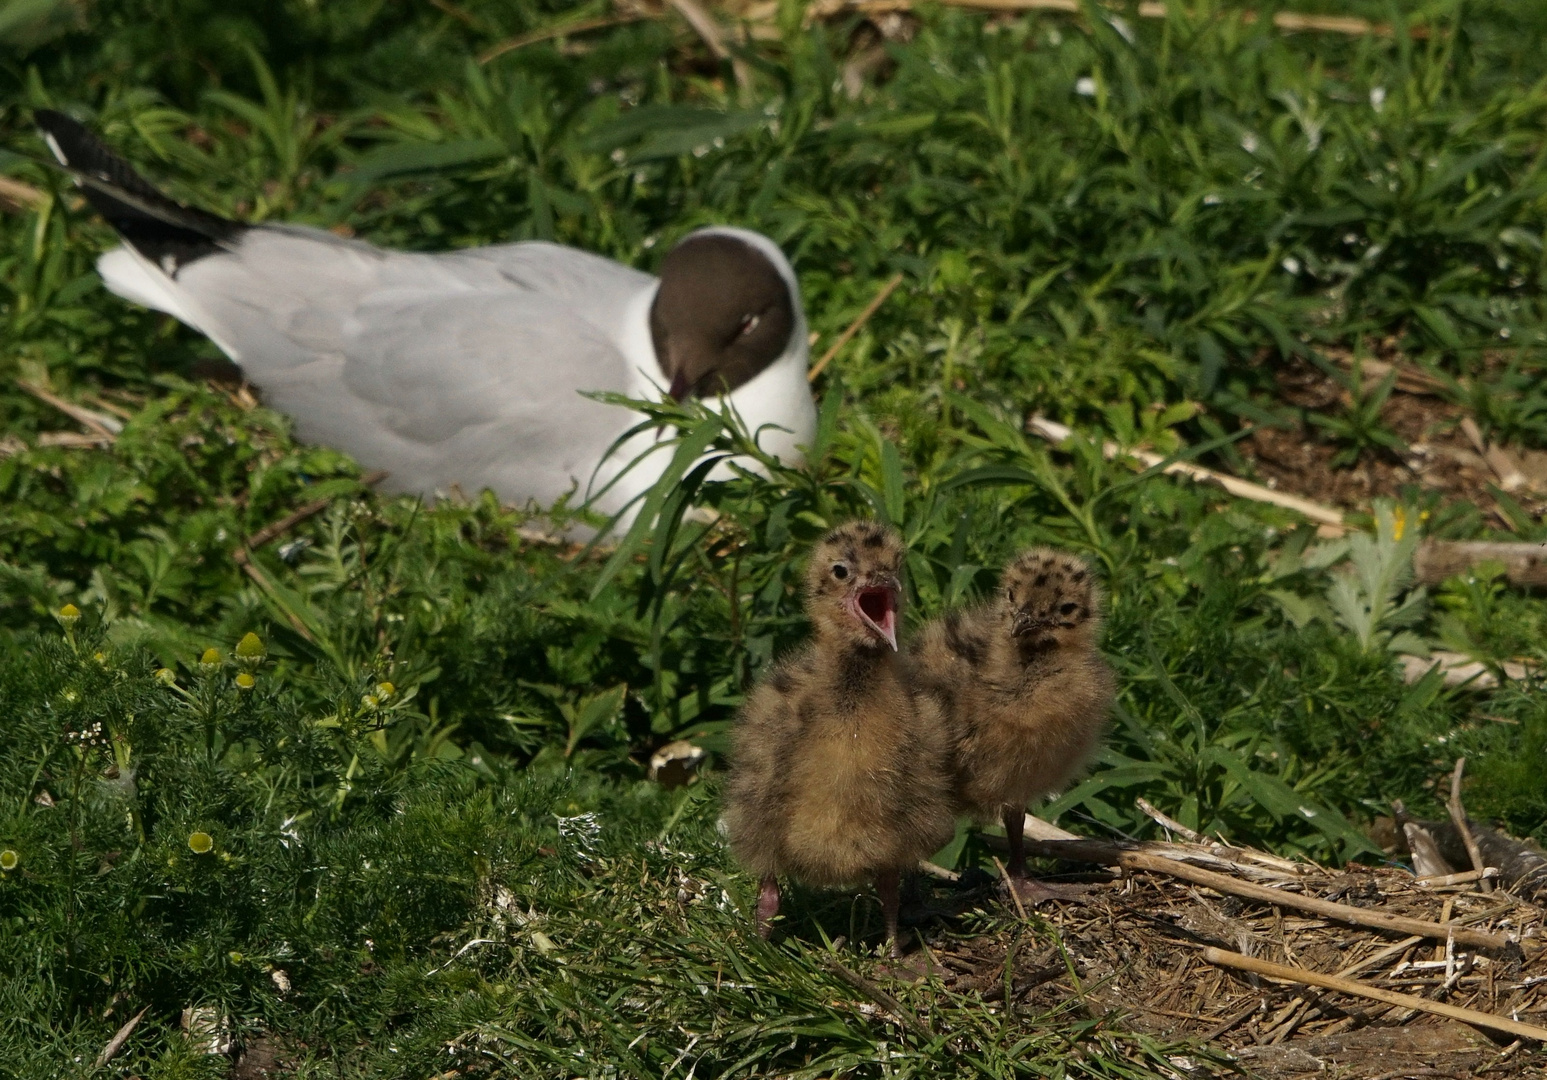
{"x": 876, "y": 607}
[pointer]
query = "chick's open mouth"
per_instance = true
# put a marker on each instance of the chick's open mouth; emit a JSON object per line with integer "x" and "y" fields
{"x": 877, "y": 606}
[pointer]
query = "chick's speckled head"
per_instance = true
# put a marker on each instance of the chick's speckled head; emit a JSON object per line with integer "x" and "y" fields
{"x": 1050, "y": 598}
{"x": 854, "y": 584}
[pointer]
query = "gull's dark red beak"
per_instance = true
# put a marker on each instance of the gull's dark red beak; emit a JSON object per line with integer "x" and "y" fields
{"x": 876, "y": 607}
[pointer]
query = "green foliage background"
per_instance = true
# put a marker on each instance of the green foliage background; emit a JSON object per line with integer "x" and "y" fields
{"x": 430, "y": 840}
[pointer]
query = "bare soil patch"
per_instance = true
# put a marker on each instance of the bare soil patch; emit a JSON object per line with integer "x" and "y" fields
{"x": 1439, "y": 457}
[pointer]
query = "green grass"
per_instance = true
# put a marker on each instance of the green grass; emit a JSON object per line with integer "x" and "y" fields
{"x": 1134, "y": 262}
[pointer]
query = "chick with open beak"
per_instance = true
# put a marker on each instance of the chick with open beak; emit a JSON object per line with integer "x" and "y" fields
{"x": 1027, "y": 690}
{"x": 839, "y": 773}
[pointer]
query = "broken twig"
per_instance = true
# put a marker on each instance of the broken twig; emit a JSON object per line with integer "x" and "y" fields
{"x": 1503, "y": 466}
{"x": 1458, "y": 819}
{"x": 121, "y": 1036}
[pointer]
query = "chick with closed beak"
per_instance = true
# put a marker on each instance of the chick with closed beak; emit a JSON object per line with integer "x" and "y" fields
{"x": 1027, "y": 691}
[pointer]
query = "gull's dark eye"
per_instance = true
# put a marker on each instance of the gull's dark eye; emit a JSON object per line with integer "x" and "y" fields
{"x": 840, "y": 571}
{"x": 1069, "y": 609}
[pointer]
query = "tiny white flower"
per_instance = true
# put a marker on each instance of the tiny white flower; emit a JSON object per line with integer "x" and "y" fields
{"x": 1377, "y": 98}
{"x": 1291, "y": 264}
{"x": 1085, "y": 87}
{"x": 1212, "y": 199}
{"x": 1249, "y": 143}
{"x": 618, "y": 156}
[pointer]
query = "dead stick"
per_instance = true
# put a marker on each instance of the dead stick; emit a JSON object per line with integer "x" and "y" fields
{"x": 262, "y": 581}
{"x": 276, "y": 529}
{"x": 16, "y": 195}
{"x": 1464, "y": 878}
{"x": 548, "y": 33}
{"x": 1525, "y": 562}
{"x": 853, "y": 328}
{"x": 1167, "y": 822}
{"x": 1503, "y": 466}
{"x": 1015, "y": 894}
{"x": 881, "y": 998}
{"x": 1458, "y": 819}
{"x": 116, "y": 1043}
{"x": 107, "y": 427}
{"x": 1327, "y": 516}
{"x": 1109, "y": 855}
{"x": 1348, "y": 986}
{"x": 1287, "y": 21}
{"x": 704, "y": 26}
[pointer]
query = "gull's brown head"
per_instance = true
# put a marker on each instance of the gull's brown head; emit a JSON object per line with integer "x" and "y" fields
{"x": 854, "y": 584}
{"x": 1050, "y": 598}
{"x": 723, "y": 313}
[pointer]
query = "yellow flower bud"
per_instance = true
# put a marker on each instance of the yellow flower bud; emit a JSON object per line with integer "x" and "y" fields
{"x": 9, "y": 860}
{"x": 211, "y": 658}
{"x": 244, "y": 681}
{"x": 201, "y": 843}
{"x": 385, "y": 689}
{"x": 69, "y": 615}
{"x": 166, "y": 675}
{"x": 369, "y": 701}
{"x": 250, "y": 648}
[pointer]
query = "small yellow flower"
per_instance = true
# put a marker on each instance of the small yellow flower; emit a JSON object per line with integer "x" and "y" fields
{"x": 166, "y": 675}
{"x": 201, "y": 843}
{"x": 211, "y": 658}
{"x": 9, "y": 860}
{"x": 244, "y": 681}
{"x": 69, "y": 615}
{"x": 385, "y": 689}
{"x": 99, "y": 656}
{"x": 235, "y": 957}
{"x": 250, "y": 649}
{"x": 369, "y": 701}
{"x": 1399, "y": 522}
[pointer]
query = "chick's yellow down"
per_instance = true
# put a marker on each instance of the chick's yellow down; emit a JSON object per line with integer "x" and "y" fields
{"x": 840, "y": 773}
{"x": 1025, "y": 687}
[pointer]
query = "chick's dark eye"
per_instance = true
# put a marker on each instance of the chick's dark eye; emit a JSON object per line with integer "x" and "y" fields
{"x": 748, "y": 324}
{"x": 1009, "y": 594}
{"x": 1069, "y": 609}
{"x": 840, "y": 571}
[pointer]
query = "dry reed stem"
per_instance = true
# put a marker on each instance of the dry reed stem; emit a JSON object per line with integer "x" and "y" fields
{"x": 854, "y": 327}
{"x": 1328, "y": 517}
{"x": 1348, "y": 986}
{"x": 1110, "y": 855}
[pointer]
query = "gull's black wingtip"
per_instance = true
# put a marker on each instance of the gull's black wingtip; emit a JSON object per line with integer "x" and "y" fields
{"x": 168, "y": 233}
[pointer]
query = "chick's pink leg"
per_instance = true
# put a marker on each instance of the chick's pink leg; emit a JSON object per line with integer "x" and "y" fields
{"x": 767, "y": 905}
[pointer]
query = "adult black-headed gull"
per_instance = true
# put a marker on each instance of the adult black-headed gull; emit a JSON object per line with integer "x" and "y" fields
{"x": 465, "y": 367}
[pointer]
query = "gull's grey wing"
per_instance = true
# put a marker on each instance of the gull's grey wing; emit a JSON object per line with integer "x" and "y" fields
{"x": 563, "y": 273}
{"x": 436, "y": 368}
{"x": 484, "y": 390}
